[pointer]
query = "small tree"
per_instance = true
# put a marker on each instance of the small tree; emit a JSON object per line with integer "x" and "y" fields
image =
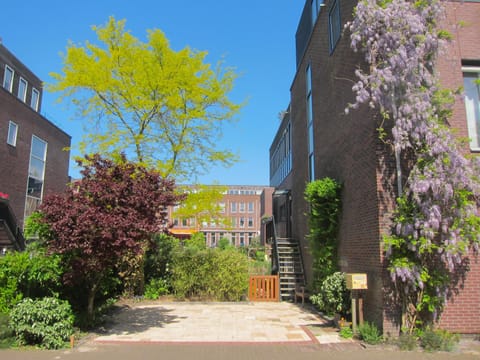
{"x": 105, "y": 218}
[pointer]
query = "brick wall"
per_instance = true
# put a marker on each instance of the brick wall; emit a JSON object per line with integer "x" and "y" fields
{"x": 14, "y": 160}
{"x": 347, "y": 149}
{"x": 462, "y": 313}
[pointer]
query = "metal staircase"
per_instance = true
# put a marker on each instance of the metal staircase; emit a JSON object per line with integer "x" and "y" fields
{"x": 290, "y": 267}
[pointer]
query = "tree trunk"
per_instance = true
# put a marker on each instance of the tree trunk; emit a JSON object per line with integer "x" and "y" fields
{"x": 91, "y": 304}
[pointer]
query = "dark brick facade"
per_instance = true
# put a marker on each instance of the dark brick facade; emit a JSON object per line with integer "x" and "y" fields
{"x": 14, "y": 160}
{"x": 462, "y": 313}
{"x": 347, "y": 148}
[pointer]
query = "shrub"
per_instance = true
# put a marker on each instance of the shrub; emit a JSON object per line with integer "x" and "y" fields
{"x": 369, "y": 333}
{"x": 346, "y": 332}
{"x": 28, "y": 274}
{"x": 333, "y": 296}
{"x": 5, "y": 329}
{"x": 159, "y": 256}
{"x": 438, "y": 340}
{"x": 156, "y": 288}
{"x": 214, "y": 274}
{"x": 407, "y": 341}
{"x": 47, "y": 322}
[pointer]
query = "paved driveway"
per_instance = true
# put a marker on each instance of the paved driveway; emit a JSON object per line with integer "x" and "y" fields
{"x": 190, "y": 322}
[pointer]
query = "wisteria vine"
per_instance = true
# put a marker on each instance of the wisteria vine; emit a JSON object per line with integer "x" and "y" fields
{"x": 436, "y": 221}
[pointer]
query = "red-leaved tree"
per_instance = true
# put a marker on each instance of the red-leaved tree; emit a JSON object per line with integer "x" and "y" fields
{"x": 106, "y": 217}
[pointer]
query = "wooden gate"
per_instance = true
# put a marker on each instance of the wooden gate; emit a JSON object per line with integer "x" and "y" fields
{"x": 264, "y": 288}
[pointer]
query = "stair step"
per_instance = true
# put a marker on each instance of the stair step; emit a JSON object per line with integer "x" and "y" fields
{"x": 290, "y": 267}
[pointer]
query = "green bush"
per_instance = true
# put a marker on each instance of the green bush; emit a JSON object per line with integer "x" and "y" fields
{"x": 369, "y": 333}
{"x": 224, "y": 244}
{"x": 28, "y": 274}
{"x": 438, "y": 340}
{"x": 333, "y": 296}
{"x": 5, "y": 329}
{"x": 46, "y": 322}
{"x": 156, "y": 288}
{"x": 407, "y": 342}
{"x": 211, "y": 274}
{"x": 158, "y": 257}
{"x": 346, "y": 332}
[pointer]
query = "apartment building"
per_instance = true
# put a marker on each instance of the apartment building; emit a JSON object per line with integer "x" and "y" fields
{"x": 317, "y": 139}
{"x": 241, "y": 209}
{"x": 33, "y": 161}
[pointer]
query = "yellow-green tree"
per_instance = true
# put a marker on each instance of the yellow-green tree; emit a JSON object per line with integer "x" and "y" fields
{"x": 164, "y": 107}
{"x": 203, "y": 205}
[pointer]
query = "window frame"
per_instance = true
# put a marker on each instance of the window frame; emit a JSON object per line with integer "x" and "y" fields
{"x": 334, "y": 27}
{"x": 23, "y": 96}
{"x": 11, "y": 142}
{"x": 10, "y": 85}
{"x": 473, "y": 125}
{"x": 33, "y": 105}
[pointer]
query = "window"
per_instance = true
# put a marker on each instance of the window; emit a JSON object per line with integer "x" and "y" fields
{"x": 334, "y": 25}
{"x": 233, "y": 207}
{"x": 22, "y": 89}
{"x": 309, "y": 104}
{"x": 36, "y": 173}
{"x": 250, "y": 222}
{"x": 471, "y": 85}
{"x": 8, "y": 78}
{"x": 12, "y": 133}
{"x": 242, "y": 222}
{"x": 242, "y": 207}
{"x": 35, "y": 99}
{"x": 316, "y": 6}
{"x": 251, "y": 206}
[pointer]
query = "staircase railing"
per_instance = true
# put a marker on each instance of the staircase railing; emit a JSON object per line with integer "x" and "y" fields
{"x": 275, "y": 258}
{"x": 10, "y": 222}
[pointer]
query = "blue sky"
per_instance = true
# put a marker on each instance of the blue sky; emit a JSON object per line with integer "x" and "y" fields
{"x": 255, "y": 37}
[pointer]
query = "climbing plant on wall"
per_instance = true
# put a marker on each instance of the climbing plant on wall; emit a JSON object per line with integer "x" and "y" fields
{"x": 323, "y": 197}
{"x": 436, "y": 222}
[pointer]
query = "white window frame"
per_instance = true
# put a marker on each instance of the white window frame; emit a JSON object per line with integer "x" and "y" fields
{"x": 12, "y": 133}
{"x": 8, "y": 86}
{"x": 35, "y": 100}
{"x": 472, "y": 109}
{"x": 22, "y": 90}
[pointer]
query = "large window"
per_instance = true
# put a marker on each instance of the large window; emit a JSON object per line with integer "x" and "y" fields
{"x": 471, "y": 85}
{"x": 8, "y": 78}
{"x": 309, "y": 104}
{"x": 12, "y": 133}
{"x": 22, "y": 89}
{"x": 35, "y": 99}
{"x": 316, "y": 5}
{"x": 36, "y": 174}
{"x": 334, "y": 25}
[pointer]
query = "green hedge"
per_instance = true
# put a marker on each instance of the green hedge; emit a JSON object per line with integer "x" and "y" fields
{"x": 212, "y": 274}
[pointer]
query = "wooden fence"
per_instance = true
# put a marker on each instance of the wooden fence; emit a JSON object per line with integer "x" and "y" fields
{"x": 264, "y": 288}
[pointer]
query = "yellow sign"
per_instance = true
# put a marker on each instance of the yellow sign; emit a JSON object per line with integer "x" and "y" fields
{"x": 356, "y": 281}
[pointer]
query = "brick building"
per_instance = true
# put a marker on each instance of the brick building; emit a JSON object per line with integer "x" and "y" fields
{"x": 317, "y": 139}
{"x": 242, "y": 206}
{"x": 33, "y": 161}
